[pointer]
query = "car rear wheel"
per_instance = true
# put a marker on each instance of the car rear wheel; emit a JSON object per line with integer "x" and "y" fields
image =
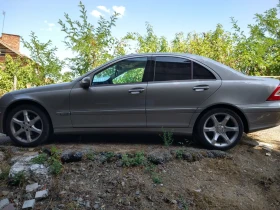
{"x": 28, "y": 125}
{"x": 219, "y": 128}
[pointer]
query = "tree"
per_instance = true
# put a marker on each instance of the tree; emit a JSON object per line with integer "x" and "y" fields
{"x": 91, "y": 45}
{"x": 46, "y": 64}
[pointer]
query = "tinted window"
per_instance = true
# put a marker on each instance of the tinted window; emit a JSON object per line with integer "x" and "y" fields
{"x": 123, "y": 72}
{"x": 171, "y": 68}
{"x": 200, "y": 72}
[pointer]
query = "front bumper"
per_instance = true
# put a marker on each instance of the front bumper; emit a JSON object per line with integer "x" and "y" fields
{"x": 262, "y": 116}
{"x": 1, "y": 119}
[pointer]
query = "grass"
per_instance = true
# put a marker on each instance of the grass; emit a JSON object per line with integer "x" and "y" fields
{"x": 90, "y": 155}
{"x": 138, "y": 159}
{"x": 19, "y": 179}
{"x": 151, "y": 169}
{"x": 40, "y": 159}
{"x": 179, "y": 154}
{"x": 167, "y": 137}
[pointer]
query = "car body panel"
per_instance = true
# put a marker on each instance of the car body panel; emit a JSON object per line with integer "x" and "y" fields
{"x": 91, "y": 107}
{"x": 172, "y": 103}
{"x": 248, "y": 94}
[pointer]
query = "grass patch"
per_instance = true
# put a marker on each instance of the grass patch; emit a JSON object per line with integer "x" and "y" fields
{"x": 138, "y": 159}
{"x": 19, "y": 179}
{"x": 40, "y": 159}
{"x": 151, "y": 169}
{"x": 90, "y": 155}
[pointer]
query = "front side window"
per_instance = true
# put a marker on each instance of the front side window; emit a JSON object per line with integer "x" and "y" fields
{"x": 124, "y": 72}
{"x": 172, "y": 68}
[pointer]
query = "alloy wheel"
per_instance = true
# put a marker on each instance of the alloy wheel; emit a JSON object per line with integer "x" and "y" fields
{"x": 221, "y": 129}
{"x": 26, "y": 126}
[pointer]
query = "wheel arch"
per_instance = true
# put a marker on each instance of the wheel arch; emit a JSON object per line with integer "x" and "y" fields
{"x": 228, "y": 106}
{"x": 25, "y": 102}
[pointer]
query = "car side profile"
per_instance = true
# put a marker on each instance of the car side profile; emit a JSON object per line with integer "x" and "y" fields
{"x": 183, "y": 93}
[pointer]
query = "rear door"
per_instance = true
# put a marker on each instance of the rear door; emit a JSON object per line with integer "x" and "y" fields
{"x": 179, "y": 88}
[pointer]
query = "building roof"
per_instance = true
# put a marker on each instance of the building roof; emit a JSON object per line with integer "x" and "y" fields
{"x": 13, "y": 50}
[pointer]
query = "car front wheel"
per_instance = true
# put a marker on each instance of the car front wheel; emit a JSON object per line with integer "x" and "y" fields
{"x": 219, "y": 128}
{"x": 28, "y": 125}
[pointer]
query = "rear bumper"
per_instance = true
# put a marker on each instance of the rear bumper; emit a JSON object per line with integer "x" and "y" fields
{"x": 262, "y": 116}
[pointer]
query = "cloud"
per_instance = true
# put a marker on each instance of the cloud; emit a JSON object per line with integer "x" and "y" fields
{"x": 103, "y": 8}
{"x": 50, "y": 26}
{"x": 120, "y": 10}
{"x": 96, "y": 13}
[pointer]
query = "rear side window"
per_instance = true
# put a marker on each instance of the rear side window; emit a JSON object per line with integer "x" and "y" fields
{"x": 200, "y": 72}
{"x": 171, "y": 68}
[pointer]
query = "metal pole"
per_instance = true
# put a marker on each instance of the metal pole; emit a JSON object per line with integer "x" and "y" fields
{"x": 4, "y": 14}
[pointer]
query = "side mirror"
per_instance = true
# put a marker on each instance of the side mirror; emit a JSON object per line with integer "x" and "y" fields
{"x": 85, "y": 82}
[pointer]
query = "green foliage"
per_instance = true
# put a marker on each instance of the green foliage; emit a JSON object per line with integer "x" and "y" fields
{"x": 179, "y": 154}
{"x": 91, "y": 45}
{"x": 19, "y": 179}
{"x": 40, "y": 159}
{"x": 167, "y": 137}
{"x": 90, "y": 155}
{"x": 4, "y": 175}
{"x": 46, "y": 64}
{"x": 55, "y": 166}
{"x": 136, "y": 160}
{"x": 156, "y": 178}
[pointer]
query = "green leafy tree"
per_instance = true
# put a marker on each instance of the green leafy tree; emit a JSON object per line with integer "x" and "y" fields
{"x": 45, "y": 62}
{"x": 91, "y": 45}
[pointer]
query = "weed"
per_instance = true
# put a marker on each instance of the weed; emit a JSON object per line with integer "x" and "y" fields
{"x": 179, "y": 154}
{"x": 156, "y": 178}
{"x": 184, "y": 203}
{"x": 19, "y": 179}
{"x": 109, "y": 155}
{"x": 40, "y": 159}
{"x": 167, "y": 137}
{"x": 138, "y": 159}
{"x": 55, "y": 153}
{"x": 5, "y": 173}
{"x": 90, "y": 155}
{"x": 55, "y": 166}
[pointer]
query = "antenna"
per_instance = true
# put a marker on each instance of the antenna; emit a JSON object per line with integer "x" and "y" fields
{"x": 4, "y": 14}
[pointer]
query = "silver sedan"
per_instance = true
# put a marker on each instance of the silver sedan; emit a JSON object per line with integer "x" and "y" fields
{"x": 182, "y": 93}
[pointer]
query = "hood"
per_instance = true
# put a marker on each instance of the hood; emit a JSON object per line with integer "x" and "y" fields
{"x": 52, "y": 87}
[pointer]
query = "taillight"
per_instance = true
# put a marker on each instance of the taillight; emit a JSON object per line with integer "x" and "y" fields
{"x": 275, "y": 96}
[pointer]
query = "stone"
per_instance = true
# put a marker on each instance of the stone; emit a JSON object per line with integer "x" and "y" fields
{"x": 4, "y": 203}
{"x": 41, "y": 194}
{"x": 71, "y": 156}
{"x": 159, "y": 156}
{"x": 137, "y": 192}
{"x": 96, "y": 206}
{"x": 29, "y": 204}
{"x": 174, "y": 201}
{"x": 31, "y": 187}
{"x": 268, "y": 154}
{"x": 87, "y": 204}
{"x": 37, "y": 172}
{"x": 9, "y": 207}
{"x": 2, "y": 156}
{"x": 5, "y": 193}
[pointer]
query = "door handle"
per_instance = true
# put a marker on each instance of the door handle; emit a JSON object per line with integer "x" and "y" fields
{"x": 135, "y": 91}
{"x": 200, "y": 88}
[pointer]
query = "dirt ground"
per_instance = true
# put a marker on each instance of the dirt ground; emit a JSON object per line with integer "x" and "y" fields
{"x": 250, "y": 179}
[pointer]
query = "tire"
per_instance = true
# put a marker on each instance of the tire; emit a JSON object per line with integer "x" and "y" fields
{"x": 29, "y": 129}
{"x": 222, "y": 134}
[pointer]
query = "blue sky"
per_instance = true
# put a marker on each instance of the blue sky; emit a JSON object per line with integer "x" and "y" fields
{"x": 167, "y": 17}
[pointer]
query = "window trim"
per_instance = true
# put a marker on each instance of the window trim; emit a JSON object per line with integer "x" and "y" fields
{"x": 108, "y": 66}
{"x": 192, "y": 66}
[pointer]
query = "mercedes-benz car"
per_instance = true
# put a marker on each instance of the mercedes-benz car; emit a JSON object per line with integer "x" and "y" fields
{"x": 182, "y": 93}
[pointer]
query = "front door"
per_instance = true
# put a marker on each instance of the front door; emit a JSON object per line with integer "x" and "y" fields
{"x": 179, "y": 88}
{"x": 116, "y": 97}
